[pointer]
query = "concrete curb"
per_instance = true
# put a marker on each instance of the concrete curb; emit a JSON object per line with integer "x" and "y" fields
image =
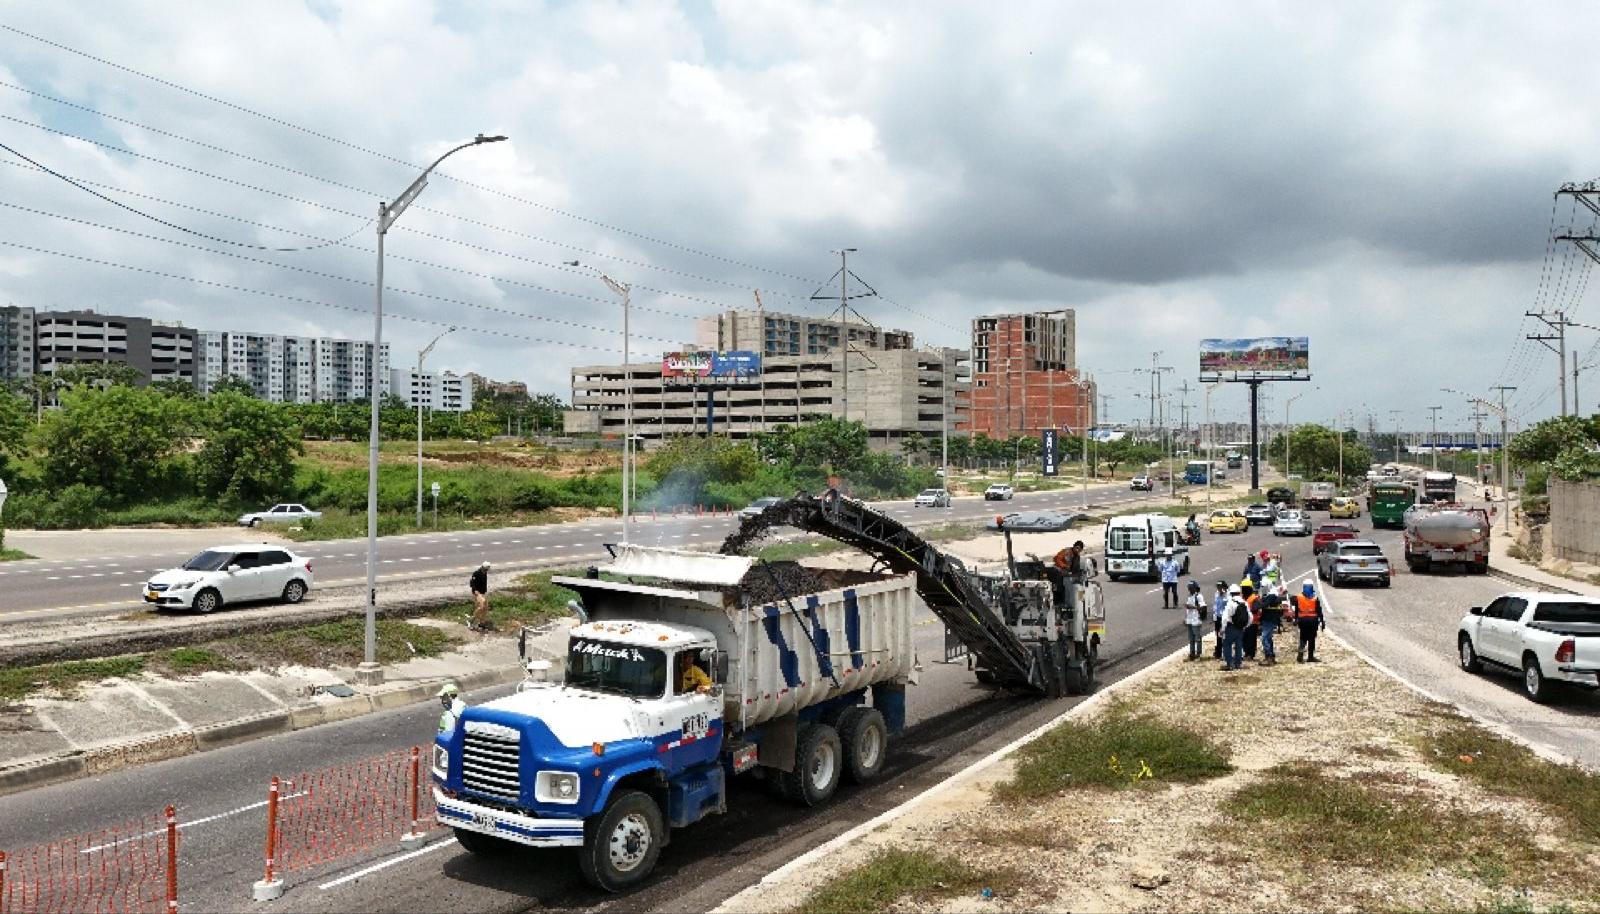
{"x": 179, "y": 743}
{"x": 1084, "y": 708}
{"x": 1499, "y": 729}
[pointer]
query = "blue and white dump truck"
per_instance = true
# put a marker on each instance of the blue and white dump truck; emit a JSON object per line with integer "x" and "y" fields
{"x": 803, "y": 673}
{"x": 807, "y": 689}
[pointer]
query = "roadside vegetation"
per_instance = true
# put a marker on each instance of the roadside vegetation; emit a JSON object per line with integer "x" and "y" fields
{"x": 896, "y": 875}
{"x": 13, "y": 555}
{"x": 530, "y": 600}
{"x": 1469, "y": 751}
{"x": 1117, "y": 750}
{"x": 328, "y": 644}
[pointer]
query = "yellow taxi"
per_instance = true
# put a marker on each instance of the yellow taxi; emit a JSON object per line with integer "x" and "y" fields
{"x": 1344, "y": 507}
{"x": 1225, "y": 521}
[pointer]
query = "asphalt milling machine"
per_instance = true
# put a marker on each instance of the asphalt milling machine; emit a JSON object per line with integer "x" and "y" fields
{"x": 1018, "y": 629}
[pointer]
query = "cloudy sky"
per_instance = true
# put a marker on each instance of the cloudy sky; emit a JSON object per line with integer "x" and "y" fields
{"x": 1376, "y": 176}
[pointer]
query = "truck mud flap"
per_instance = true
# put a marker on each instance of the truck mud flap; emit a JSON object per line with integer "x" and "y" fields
{"x": 778, "y": 736}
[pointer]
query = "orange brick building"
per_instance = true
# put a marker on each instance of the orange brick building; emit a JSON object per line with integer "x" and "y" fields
{"x": 1025, "y": 376}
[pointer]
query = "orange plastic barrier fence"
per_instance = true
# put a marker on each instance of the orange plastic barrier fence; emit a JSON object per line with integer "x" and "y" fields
{"x": 129, "y": 868}
{"x": 321, "y": 816}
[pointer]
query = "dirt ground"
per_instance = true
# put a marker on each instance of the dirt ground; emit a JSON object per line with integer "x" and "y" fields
{"x": 1154, "y": 847}
{"x": 550, "y": 461}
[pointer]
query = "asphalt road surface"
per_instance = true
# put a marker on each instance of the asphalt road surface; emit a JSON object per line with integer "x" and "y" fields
{"x": 109, "y": 585}
{"x": 952, "y": 719}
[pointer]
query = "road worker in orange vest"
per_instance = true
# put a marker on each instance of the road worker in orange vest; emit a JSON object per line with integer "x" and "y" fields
{"x": 1308, "y": 616}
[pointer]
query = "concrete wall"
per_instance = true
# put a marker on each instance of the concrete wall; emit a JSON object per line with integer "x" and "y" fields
{"x": 1574, "y": 529}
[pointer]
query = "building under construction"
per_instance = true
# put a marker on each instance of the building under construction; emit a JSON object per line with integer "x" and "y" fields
{"x": 894, "y": 388}
{"x": 1025, "y": 376}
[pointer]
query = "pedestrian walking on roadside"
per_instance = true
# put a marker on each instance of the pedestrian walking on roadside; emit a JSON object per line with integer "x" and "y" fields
{"x": 1219, "y": 613}
{"x": 479, "y": 585}
{"x": 1308, "y": 616}
{"x": 1271, "y": 618}
{"x": 1252, "y": 629}
{"x": 1252, "y": 570}
{"x": 1169, "y": 568}
{"x": 1234, "y": 624}
{"x": 1194, "y": 618}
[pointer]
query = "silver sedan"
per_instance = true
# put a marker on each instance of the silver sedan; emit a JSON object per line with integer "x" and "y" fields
{"x": 1291, "y": 523}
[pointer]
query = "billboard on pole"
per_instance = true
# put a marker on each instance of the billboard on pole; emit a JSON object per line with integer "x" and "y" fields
{"x": 1048, "y": 445}
{"x": 731, "y": 365}
{"x": 1261, "y": 358}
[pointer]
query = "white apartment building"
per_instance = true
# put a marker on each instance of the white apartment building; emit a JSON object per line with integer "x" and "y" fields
{"x": 432, "y": 390}
{"x": 289, "y": 369}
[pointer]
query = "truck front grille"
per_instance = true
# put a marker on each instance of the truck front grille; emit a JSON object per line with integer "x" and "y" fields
{"x": 490, "y": 764}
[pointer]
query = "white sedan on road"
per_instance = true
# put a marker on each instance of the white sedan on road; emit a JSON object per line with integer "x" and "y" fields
{"x": 286, "y": 513}
{"x": 232, "y": 574}
{"x": 1291, "y": 523}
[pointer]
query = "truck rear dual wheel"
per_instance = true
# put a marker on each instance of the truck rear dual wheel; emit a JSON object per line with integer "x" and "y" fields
{"x": 621, "y": 847}
{"x": 864, "y": 737}
{"x": 818, "y": 765}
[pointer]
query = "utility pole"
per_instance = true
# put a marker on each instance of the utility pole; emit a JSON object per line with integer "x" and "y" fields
{"x": 761, "y": 376}
{"x": 1505, "y": 457}
{"x": 1433, "y": 442}
{"x": 844, "y": 331}
{"x": 1154, "y": 358}
{"x": 1478, "y": 416}
{"x": 1395, "y": 414}
{"x": 1559, "y": 325}
{"x": 1183, "y": 409}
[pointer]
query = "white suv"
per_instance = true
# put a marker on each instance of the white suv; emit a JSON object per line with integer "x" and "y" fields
{"x": 998, "y": 492}
{"x": 232, "y": 574}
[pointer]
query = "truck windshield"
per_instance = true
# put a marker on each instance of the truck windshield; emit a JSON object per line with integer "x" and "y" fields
{"x": 1567, "y": 613}
{"x": 620, "y": 668}
{"x": 1126, "y": 539}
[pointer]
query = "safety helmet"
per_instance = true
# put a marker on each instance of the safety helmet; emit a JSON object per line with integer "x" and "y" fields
{"x": 1247, "y": 584}
{"x": 1264, "y": 554}
{"x": 1222, "y": 585}
{"x": 1194, "y": 586}
{"x": 449, "y": 690}
{"x": 1308, "y": 589}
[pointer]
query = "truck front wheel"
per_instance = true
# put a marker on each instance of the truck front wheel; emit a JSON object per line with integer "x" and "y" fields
{"x": 620, "y": 848}
{"x": 818, "y": 758}
{"x": 865, "y": 739}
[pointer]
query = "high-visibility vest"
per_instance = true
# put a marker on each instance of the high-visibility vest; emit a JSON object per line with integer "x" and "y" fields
{"x": 1305, "y": 607}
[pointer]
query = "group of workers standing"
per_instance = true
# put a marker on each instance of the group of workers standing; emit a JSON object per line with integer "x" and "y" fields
{"x": 1246, "y": 616}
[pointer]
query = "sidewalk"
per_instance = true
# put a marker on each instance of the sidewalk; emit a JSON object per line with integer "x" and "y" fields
{"x": 1500, "y": 543}
{"x": 123, "y": 722}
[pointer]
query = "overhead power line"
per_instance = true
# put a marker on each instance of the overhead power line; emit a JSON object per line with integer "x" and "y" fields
{"x": 399, "y": 161}
{"x": 284, "y": 296}
{"x": 521, "y": 315}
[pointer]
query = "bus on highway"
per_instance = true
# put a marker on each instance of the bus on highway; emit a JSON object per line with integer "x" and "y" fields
{"x": 1388, "y": 503}
{"x": 1196, "y": 472}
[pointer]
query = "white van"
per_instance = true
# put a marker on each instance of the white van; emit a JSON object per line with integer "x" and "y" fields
{"x": 1135, "y": 541}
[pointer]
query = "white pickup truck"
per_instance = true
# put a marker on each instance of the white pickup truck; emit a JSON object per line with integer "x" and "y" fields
{"x": 1548, "y": 637}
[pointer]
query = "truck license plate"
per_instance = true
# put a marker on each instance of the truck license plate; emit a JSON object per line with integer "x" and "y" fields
{"x": 483, "y": 819}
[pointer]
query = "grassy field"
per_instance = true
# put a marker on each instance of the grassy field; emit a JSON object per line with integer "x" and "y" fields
{"x": 1117, "y": 750}
{"x": 895, "y": 875}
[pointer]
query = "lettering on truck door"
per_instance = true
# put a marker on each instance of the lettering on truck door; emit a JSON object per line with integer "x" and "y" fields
{"x": 693, "y": 724}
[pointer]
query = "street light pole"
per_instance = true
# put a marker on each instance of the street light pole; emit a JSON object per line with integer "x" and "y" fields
{"x": 416, "y": 391}
{"x": 1433, "y": 440}
{"x": 368, "y": 672}
{"x": 1287, "y": 431}
{"x": 1211, "y": 443}
{"x": 624, "y": 290}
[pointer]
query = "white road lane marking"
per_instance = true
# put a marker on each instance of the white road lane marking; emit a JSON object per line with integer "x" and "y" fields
{"x": 190, "y": 824}
{"x": 385, "y": 864}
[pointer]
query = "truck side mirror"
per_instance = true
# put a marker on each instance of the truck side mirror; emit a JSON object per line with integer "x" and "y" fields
{"x": 1476, "y": 610}
{"x": 719, "y": 667}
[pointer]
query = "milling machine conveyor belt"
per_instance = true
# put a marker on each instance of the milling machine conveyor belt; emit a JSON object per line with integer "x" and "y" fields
{"x": 943, "y": 582}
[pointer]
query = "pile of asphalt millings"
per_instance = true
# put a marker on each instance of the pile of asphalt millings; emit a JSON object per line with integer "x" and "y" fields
{"x": 768, "y": 582}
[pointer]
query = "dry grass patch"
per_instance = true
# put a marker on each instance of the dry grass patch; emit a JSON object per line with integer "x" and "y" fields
{"x": 892, "y": 875}
{"x": 1117, "y": 750}
{"x": 1475, "y": 754}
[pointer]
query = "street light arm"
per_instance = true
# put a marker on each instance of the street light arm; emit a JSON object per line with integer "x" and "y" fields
{"x": 393, "y": 210}
{"x": 429, "y": 348}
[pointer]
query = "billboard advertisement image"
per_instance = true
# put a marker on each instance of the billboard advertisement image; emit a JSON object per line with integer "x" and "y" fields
{"x": 731, "y": 365}
{"x": 1260, "y": 357}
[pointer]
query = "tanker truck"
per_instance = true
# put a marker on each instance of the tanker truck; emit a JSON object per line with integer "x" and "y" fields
{"x": 687, "y": 669}
{"x": 1447, "y": 536}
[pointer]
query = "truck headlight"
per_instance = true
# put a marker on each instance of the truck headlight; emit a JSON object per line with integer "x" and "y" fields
{"x": 441, "y": 761}
{"x": 556, "y": 787}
